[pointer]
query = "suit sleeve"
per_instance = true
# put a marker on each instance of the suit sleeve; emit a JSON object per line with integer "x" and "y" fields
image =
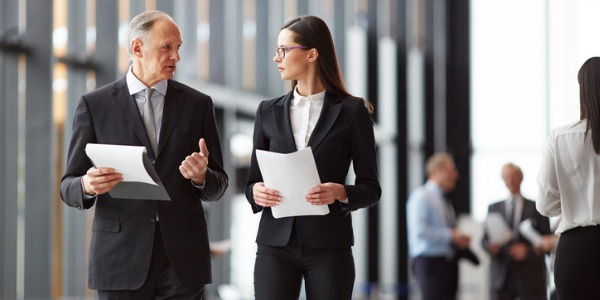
{"x": 254, "y": 175}
{"x": 216, "y": 179}
{"x": 366, "y": 190}
{"x": 71, "y": 189}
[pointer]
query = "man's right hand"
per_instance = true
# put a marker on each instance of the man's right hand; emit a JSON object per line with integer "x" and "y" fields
{"x": 460, "y": 240}
{"x": 98, "y": 181}
{"x": 494, "y": 248}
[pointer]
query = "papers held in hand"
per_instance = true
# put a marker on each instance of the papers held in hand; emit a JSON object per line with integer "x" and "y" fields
{"x": 498, "y": 231}
{"x": 527, "y": 229}
{"x": 292, "y": 174}
{"x": 140, "y": 180}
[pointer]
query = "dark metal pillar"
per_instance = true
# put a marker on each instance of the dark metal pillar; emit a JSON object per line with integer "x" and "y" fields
{"x": 9, "y": 108}
{"x": 447, "y": 93}
{"x": 39, "y": 145}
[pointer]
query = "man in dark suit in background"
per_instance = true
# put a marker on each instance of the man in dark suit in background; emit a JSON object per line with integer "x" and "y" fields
{"x": 518, "y": 268}
{"x": 144, "y": 249}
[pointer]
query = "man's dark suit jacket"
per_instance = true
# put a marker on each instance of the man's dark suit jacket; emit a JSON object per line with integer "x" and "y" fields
{"x": 123, "y": 229}
{"x": 532, "y": 271}
{"x": 343, "y": 134}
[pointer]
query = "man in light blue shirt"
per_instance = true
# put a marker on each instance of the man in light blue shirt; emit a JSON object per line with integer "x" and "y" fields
{"x": 433, "y": 239}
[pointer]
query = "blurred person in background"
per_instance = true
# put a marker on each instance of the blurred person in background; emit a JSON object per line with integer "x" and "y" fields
{"x": 518, "y": 267}
{"x": 434, "y": 243}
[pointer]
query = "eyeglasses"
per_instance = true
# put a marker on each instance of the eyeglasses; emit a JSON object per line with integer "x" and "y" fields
{"x": 281, "y": 51}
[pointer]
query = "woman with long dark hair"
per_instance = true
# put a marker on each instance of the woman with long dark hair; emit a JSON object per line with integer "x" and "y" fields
{"x": 319, "y": 113}
{"x": 569, "y": 182}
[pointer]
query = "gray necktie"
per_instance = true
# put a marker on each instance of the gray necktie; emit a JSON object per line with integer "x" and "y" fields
{"x": 149, "y": 120}
{"x": 510, "y": 212}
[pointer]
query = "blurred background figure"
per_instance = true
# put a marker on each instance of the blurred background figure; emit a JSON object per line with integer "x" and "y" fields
{"x": 433, "y": 239}
{"x": 518, "y": 268}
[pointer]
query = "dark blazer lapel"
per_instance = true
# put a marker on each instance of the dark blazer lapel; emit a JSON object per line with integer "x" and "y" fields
{"x": 283, "y": 122}
{"x": 173, "y": 103}
{"x": 131, "y": 112}
{"x": 332, "y": 106}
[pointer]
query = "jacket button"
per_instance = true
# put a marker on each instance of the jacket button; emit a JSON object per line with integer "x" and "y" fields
{"x": 151, "y": 219}
{"x": 153, "y": 161}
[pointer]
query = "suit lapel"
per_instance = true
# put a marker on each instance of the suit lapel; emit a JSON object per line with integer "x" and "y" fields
{"x": 131, "y": 112}
{"x": 332, "y": 106}
{"x": 173, "y": 103}
{"x": 283, "y": 122}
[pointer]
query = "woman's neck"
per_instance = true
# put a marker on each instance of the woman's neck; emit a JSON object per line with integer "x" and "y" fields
{"x": 307, "y": 88}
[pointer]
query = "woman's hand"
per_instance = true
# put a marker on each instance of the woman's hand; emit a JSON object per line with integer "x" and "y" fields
{"x": 264, "y": 196}
{"x": 326, "y": 193}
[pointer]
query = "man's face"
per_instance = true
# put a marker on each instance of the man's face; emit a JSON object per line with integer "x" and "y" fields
{"x": 448, "y": 176}
{"x": 158, "y": 56}
{"x": 512, "y": 178}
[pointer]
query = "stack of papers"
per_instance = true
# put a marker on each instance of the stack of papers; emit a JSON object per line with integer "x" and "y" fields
{"x": 140, "y": 180}
{"x": 291, "y": 174}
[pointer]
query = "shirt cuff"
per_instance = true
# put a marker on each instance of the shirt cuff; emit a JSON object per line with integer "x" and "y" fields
{"x": 198, "y": 186}
{"x": 86, "y": 196}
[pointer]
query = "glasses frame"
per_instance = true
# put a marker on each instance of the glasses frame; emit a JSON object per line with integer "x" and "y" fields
{"x": 281, "y": 51}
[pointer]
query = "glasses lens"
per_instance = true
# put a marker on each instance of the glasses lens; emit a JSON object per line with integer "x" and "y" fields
{"x": 280, "y": 51}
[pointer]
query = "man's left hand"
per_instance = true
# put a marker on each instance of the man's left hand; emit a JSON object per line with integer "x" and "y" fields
{"x": 194, "y": 166}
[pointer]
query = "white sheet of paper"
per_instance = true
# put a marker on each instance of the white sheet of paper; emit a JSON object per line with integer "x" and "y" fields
{"x": 292, "y": 174}
{"x": 126, "y": 160}
{"x": 527, "y": 230}
{"x": 497, "y": 229}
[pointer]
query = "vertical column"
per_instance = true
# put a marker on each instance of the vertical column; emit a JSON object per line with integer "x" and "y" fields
{"x": 458, "y": 95}
{"x": 165, "y": 6}
{"x": 107, "y": 42}
{"x": 373, "y": 96}
{"x": 275, "y": 18}
{"x": 233, "y": 46}
{"x": 447, "y": 89}
{"x": 355, "y": 75}
{"x": 399, "y": 31}
{"x": 39, "y": 146}
{"x": 9, "y": 70}
{"x": 186, "y": 18}
{"x": 217, "y": 41}
{"x": 302, "y": 8}
{"x": 263, "y": 51}
{"x": 415, "y": 111}
{"x": 74, "y": 264}
{"x": 136, "y": 7}
{"x": 339, "y": 30}
{"x": 391, "y": 107}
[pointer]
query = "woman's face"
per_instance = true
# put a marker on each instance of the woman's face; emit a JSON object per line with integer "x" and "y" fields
{"x": 295, "y": 63}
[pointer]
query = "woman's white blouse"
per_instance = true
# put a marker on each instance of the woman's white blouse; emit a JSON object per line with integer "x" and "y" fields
{"x": 569, "y": 178}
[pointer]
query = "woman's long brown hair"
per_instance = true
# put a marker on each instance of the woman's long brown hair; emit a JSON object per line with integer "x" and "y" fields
{"x": 311, "y": 31}
{"x": 589, "y": 98}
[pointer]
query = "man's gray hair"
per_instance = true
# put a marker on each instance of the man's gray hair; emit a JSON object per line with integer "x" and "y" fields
{"x": 141, "y": 24}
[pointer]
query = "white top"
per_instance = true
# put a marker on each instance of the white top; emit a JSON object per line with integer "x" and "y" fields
{"x": 569, "y": 178}
{"x": 304, "y": 114}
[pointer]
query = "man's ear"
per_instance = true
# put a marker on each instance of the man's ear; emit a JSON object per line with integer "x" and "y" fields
{"x": 313, "y": 54}
{"x": 136, "y": 47}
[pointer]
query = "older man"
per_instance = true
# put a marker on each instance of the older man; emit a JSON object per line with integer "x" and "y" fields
{"x": 142, "y": 249}
{"x": 518, "y": 268}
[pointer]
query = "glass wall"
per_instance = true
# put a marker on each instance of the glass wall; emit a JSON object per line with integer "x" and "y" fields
{"x": 525, "y": 58}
